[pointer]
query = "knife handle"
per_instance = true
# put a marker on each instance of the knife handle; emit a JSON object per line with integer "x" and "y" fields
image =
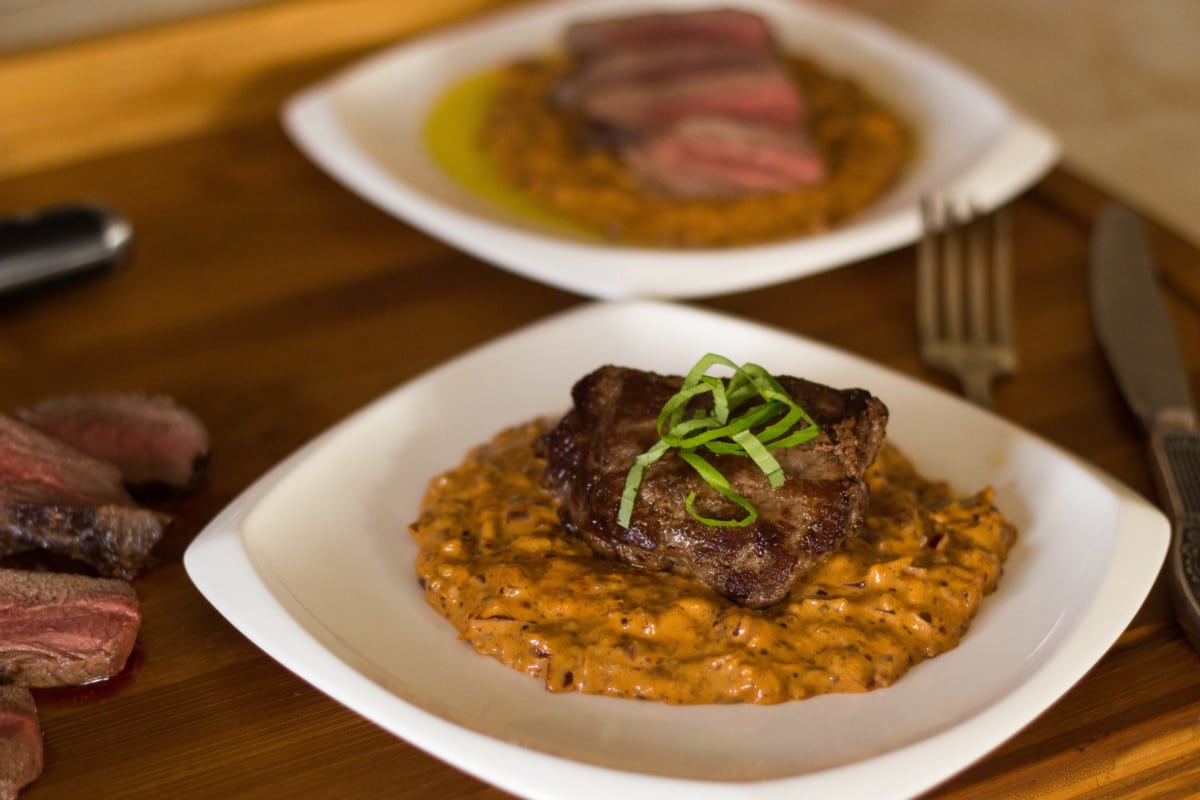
{"x": 1176, "y": 456}
{"x": 56, "y": 242}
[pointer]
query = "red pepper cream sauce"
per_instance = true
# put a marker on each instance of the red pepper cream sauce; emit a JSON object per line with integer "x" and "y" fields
{"x": 496, "y": 562}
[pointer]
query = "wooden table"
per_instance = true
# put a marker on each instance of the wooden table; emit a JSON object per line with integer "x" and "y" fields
{"x": 273, "y": 302}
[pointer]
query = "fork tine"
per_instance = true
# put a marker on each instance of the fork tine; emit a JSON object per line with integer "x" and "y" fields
{"x": 978, "y": 314}
{"x": 927, "y": 326}
{"x": 964, "y": 294}
{"x": 951, "y": 272}
{"x": 1002, "y": 277}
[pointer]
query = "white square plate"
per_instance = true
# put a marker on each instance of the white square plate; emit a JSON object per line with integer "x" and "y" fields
{"x": 315, "y": 565}
{"x": 365, "y": 127}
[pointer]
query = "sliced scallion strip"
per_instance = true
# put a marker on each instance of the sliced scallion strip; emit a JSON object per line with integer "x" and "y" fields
{"x": 633, "y": 479}
{"x": 734, "y": 425}
{"x": 715, "y": 479}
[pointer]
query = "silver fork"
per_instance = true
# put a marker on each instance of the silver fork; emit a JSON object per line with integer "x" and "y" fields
{"x": 964, "y": 295}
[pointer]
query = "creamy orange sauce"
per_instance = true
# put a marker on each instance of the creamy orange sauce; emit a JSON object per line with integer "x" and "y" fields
{"x": 540, "y": 153}
{"x": 496, "y": 562}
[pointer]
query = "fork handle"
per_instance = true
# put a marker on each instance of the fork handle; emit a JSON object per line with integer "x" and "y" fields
{"x": 977, "y": 386}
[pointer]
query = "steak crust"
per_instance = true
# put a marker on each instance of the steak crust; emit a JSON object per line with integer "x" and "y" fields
{"x": 613, "y": 420}
{"x": 114, "y": 540}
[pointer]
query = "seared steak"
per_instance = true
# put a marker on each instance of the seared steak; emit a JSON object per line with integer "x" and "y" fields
{"x": 698, "y": 104}
{"x": 651, "y": 65}
{"x": 57, "y": 499}
{"x": 725, "y": 27}
{"x": 762, "y": 92}
{"x": 723, "y": 157}
{"x": 60, "y": 629}
{"x": 613, "y": 420}
{"x": 150, "y": 438}
{"x": 62, "y": 471}
{"x": 116, "y": 541}
{"x": 39, "y": 468}
{"x": 20, "y": 741}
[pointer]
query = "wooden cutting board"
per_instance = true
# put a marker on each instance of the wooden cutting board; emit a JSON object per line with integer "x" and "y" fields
{"x": 272, "y": 302}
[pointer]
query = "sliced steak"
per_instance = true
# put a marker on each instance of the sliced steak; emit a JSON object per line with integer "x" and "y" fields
{"x": 699, "y": 105}
{"x": 60, "y": 629}
{"x": 39, "y": 468}
{"x": 721, "y": 157}
{"x": 21, "y": 756}
{"x": 720, "y": 27}
{"x": 761, "y": 92}
{"x": 650, "y": 65}
{"x": 613, "y": 420}
{"x": 116, "y": 541}
{"x": 150, "y": 438}
{"x": 57, "y": 499}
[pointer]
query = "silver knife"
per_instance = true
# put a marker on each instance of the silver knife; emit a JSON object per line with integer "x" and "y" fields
{"x": 1135, "y": 331}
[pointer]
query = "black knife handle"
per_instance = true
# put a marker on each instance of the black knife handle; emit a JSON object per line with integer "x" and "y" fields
{"x": 1177, "y": 461}
{"x": 60, "y": 241}
{"x": 1185, "y": 581}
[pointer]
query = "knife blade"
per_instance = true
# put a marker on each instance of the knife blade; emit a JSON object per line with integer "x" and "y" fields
{"x": 60, "y": 241}
{"x": 1134, "y": 327}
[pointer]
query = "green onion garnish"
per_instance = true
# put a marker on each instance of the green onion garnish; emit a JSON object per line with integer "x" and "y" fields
{"x": 765, "y": 419}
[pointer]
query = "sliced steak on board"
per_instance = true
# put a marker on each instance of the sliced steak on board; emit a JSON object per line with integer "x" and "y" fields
{"x": 150, "y": 438}
{"x": 116, "y": 541}
{"x": 821, "y": 503}
{"x": 40, "y": 468}
{"x": 60, "y": 629}
{"x": 57, "y": 499}
{"x": 21, "y": 754}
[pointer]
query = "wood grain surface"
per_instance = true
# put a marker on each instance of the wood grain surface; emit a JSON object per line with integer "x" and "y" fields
{"x": 112, "y": 92}
{"x": 273, "y": 303}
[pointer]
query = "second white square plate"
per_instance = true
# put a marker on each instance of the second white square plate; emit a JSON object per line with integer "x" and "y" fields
{"x": 365, "y": 126}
